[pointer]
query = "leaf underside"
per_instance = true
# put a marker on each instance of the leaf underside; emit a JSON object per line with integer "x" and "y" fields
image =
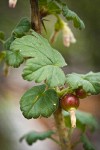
{"x": 90, "y": 82}
{"x": 71, "y": 15}
{"x": 33, "y": 136}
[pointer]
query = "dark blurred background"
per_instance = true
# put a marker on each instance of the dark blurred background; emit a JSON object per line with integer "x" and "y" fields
{"x": 82, "y": 57}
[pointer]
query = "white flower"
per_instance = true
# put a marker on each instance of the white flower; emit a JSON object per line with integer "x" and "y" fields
{"x": 68, "y": 36}
{"x": 12, "y": 3}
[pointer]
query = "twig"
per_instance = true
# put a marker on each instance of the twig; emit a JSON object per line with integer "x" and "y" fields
{"x": 35, "y": 16}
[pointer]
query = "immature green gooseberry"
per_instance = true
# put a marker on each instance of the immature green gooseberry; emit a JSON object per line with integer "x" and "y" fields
{"x": 70, "y": 103}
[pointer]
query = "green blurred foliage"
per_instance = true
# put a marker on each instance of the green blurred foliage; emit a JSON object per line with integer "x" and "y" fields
{"x": 90, "y": 13}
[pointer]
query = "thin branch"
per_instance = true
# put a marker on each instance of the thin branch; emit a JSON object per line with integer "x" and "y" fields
{"x": 35, "y": 16}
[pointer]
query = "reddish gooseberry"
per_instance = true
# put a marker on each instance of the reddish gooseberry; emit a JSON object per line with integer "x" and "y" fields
{"x": 69, "y": 101}
{"x": 81, "y": 93}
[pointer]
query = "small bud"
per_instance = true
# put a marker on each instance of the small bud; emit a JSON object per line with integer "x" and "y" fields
{"x": 68, "y": 36}
{"x": 12, "y": 3}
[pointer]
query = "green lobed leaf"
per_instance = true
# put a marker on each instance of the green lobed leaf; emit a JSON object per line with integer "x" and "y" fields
{"x": 71, "y": 15}
{"x": 33, "y": 136}
{"x": 47, "y": 62}
{"x": 83, "y": 120}
{"x": 87, "y": 145}
{"x": 40, "y": 70}
{"x": 22, "y": 27}
{"x": 20, "y": 30}
{"x": 90, "y": 82}
{"x": 14, "y": 58}
{"x": 38, "y": 101}
{"x": 36, "y": 46}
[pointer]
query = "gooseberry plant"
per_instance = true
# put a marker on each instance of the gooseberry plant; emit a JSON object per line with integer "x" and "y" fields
{"x": 57, "y": 94}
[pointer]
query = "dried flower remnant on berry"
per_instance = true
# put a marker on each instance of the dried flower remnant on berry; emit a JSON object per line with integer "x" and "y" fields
{"x": 12, "y": 3}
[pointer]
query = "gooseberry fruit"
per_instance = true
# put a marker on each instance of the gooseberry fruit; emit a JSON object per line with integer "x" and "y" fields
{"x": 70, "y": 103}
{"x": 81, "y": 93}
